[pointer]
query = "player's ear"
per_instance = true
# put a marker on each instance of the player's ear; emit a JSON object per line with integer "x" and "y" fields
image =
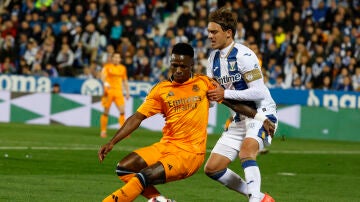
{"x": 229, "y": 33}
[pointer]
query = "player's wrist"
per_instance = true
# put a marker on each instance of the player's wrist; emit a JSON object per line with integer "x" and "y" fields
{"x": 226, "y": 94}
{"x": 260, "y": 117}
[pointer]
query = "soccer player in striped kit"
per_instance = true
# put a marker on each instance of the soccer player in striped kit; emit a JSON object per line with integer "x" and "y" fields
{"x": 237, "y": 69}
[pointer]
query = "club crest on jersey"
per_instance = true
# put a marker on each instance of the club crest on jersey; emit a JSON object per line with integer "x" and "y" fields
{"x": 195, "y": 88}
{"x": 170, "y": 93}
{"x": 232, "y": 65}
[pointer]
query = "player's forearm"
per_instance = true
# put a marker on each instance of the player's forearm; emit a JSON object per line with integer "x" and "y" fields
{"x": 131, "y": 124}
{"x": 256, "y": 91}
{"x": 244, "y": 110}
{"x": 240, "y": 108}
{"x": 250, "y": 94}
{"x": 126, "y": 84}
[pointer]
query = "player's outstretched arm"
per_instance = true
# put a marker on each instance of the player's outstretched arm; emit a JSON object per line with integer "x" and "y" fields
{"x": 269, "y": 126}
{"x": 131, "y": 124}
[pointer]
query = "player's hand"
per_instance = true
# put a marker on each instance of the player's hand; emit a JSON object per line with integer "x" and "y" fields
{"x": 269, "y": 127}
{"x": 217, "y": 94}
{"x": 105, "y": 149}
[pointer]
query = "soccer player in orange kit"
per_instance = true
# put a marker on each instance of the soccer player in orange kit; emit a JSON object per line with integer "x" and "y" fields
{"x": 114, "y": 77}
{"x": 181, "y": 151}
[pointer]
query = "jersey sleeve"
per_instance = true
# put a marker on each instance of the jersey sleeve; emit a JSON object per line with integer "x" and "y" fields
{"x": 250, "y": 70}
{"x": 152, "y": 104}
{"x": 211, "y": 85}
{"x": 104, "y": 74}
{"x": 249, "y": 66}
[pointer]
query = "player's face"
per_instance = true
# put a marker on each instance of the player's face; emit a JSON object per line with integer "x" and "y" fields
{"x": 219, "y": 39}
{"x": 116, "y": 59}
{"x": 180, "y": 68}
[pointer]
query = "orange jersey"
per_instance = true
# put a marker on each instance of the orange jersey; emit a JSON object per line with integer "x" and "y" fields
{"x": 186, "y": 110}
{"x": 115, "y": 75}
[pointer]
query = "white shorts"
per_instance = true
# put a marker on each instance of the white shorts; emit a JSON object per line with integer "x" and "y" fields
{"x": 230, "y": 141}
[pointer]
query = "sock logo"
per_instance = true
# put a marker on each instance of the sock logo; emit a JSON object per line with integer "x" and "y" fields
{"x": 170, "y": 166}
{"x": 250, "y": 182}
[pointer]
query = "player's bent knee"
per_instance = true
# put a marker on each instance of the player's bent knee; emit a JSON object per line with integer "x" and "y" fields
{"x": 153, "y": 175}
{"x": 211, "y": 168}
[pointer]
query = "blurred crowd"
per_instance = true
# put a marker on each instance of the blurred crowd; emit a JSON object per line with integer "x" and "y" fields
{"x": 309, "y": 44}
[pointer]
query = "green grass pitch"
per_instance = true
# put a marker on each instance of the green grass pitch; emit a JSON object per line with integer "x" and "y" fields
{"x": 58, "y": 163}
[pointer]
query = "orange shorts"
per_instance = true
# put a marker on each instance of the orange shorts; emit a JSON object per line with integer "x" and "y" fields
{"x": 179, "y": 164}
{"x": 109, "y": 98}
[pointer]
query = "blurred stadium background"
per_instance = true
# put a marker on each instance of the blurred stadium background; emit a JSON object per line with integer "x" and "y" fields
{"x": 310, "y": 56}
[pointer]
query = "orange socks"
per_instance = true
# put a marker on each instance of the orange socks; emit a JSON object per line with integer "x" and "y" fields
{"x": 148, "y": 192}
{"x": 128, "y": 192}
{"x": 121, "y": 119}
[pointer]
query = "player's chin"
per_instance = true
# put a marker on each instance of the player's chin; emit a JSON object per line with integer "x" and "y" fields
{"x": 179, "y": 79}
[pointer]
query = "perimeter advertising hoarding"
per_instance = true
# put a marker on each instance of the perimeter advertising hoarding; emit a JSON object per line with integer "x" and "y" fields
{"x": 302, "y": 113}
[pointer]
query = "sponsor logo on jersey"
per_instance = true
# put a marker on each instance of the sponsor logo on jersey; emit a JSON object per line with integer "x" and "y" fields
{"x": 229, "y": 79}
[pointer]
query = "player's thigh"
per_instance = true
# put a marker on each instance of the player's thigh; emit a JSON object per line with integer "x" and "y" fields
{"x": 217, "y": 162}
{"x": 107, "y": 100}
{"x": 180, "y": 164}
{"x": 151, "y": 154}
{"x": 230, "y": 141}
{"x": 120, "y": 102}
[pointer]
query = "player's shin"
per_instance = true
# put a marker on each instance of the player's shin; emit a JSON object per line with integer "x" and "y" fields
{"x": 129, "y": 191}
{"x": 125, "y": 175}
{"x": 253, "y": 180}
{"x": 121, "y": 119}
{"x": 231, "y": 180}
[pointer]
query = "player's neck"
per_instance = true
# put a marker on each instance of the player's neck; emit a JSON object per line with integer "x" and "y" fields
{"x": 224, "y": 52}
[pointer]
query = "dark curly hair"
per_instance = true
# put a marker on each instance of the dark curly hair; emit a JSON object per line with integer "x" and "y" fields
{"x": 183, "y": 49}
{"x": 225, "y": 18}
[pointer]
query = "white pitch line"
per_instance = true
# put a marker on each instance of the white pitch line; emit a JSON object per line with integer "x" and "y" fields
{"x": 287, "y": 174}
{"x": 127, "y": 148}
{"x": 13, "y": 148}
